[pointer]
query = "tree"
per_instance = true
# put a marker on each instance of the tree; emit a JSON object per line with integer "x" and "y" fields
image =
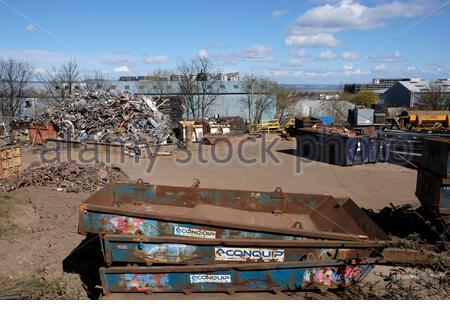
{"x": 199, "y": 86}
{"x": 96, "y": 80}
{"x": 283, "y": 102}
{"x": 366, "y": 98}
{"x": 435, "y": 98}
{"x": 61, "y": 83}
{"x": 248, "y": 85}
{"x": 260, "y": 96}
{"x": 161, "y": 81}
{"x": 15, "y": 76}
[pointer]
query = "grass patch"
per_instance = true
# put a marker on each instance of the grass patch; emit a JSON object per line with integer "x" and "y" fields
{"x": 35, "y": 288}
{"x": 8, "y": 205}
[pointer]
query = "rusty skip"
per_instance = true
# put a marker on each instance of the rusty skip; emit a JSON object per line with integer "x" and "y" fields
{"x": 287, "y": 276}
{"x": 151, "y": 210}
{"x": 176, "y": 250}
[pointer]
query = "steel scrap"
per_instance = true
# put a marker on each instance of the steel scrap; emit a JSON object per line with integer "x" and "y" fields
{"x": 64, "y": 176}
{"x": 109, "y": 117}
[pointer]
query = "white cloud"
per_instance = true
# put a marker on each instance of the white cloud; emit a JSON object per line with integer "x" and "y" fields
{"x": 278, "y": 13}
{"x": 295, "y": 62}
{"x": 298, "y": 53}
{"x": 30, "y": 28}
{"x": 156, "y": 59}
{"x": 331, "y": 18}
{"x": 257, "y": 52}
{"x": 395, "y": 56}
{"x": 327, "y": 55}
{"x": 121, "y": 69}
{"x": 410, "y": 68}
{"x": 380, "y": 67}
{"x": 348, "y": 55}
{"x": 316, "y": 40}
{"x": 202, "y": 53}
{"x": 350, "y": 14}
{"x": 348, "y": 67}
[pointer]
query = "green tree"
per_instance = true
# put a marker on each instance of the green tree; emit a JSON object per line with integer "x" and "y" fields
{"x": 366, "y": 98}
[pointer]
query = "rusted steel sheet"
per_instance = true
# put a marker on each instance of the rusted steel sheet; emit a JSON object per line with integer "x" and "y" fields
{"x": 436, "y": 156}
{"x": 297, "y": 215}
{"x": 173, "y": 250}
{"x": 105, "y": 223}
{"x": 231, "y": 278}
{"x": 433, "y": 191}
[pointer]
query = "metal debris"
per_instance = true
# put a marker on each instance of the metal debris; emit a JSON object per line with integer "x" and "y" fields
{"x": 67, "y": 176}
{"x": 110, "y": 117}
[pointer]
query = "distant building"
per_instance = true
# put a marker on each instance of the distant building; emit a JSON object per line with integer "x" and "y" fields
{"x": 378, "y": 84}
{"x": 407, "y": 94}
{"x": 230, "y": 100}
{"x": 233, "y": 76}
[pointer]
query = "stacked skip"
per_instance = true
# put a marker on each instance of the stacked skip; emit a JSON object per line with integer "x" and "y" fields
{"x": 433, "y": 179}
{"x": 191, "y": 239}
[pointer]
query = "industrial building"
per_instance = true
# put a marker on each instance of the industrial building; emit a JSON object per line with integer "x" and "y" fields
{"x": 230, "y": 97}
{"x": 378, "y": 84}
{"x": 407, "y": 94}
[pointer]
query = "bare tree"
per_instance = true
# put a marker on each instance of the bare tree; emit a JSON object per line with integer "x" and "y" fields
{"x": 61, "y": 83}
{"x": 248, "y": 85}
{"x": 260, "y": 96}
{"x": 161, "y": 82}
{"x": 284, "y": 101}
{"x": 436, "y": 97}
{"x": 15, "y": 77}
{"x": 96, "y": 80}
{"x": 199, "y": 86}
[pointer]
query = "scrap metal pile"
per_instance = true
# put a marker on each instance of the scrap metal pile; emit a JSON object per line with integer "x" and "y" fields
{"x": 65, "y": 176}
{"x": 110, "y": 117}
{"x": 190, "y": 239}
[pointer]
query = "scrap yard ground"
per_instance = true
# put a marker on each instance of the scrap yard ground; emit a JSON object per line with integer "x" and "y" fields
{"x": 41, "y": 233}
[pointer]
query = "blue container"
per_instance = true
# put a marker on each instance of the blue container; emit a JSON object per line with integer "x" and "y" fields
{"x": 177, "y": 251}
{"x": 326, "y": 120}
{"x": 288, "y": 276}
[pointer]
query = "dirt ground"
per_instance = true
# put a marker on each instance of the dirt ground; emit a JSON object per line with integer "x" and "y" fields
{"x": 41, "y": 239}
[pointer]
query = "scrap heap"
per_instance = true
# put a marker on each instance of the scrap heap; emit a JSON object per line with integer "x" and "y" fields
{"x": 65, "y": 176}
{"x": 110, "y": 117}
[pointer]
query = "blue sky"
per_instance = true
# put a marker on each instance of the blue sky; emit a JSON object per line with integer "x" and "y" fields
{"x": 311, "y": 41}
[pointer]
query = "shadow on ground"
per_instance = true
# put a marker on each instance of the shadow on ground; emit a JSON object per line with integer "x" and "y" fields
{"x": 85, "y": 260}
{"x": 291, "y": 152}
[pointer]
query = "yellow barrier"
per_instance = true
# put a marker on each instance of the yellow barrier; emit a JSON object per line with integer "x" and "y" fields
{"x": 268, "y": 125}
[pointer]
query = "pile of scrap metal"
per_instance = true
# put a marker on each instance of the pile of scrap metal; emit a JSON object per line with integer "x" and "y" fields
{"x": 172, "y": 106}
{"x": 189, "y": 239}
{"x": 433, "y": 180}
{"x": 110, "y": 117}
{"x": 19, "y": 130}
{"x": 64, "y": 176}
